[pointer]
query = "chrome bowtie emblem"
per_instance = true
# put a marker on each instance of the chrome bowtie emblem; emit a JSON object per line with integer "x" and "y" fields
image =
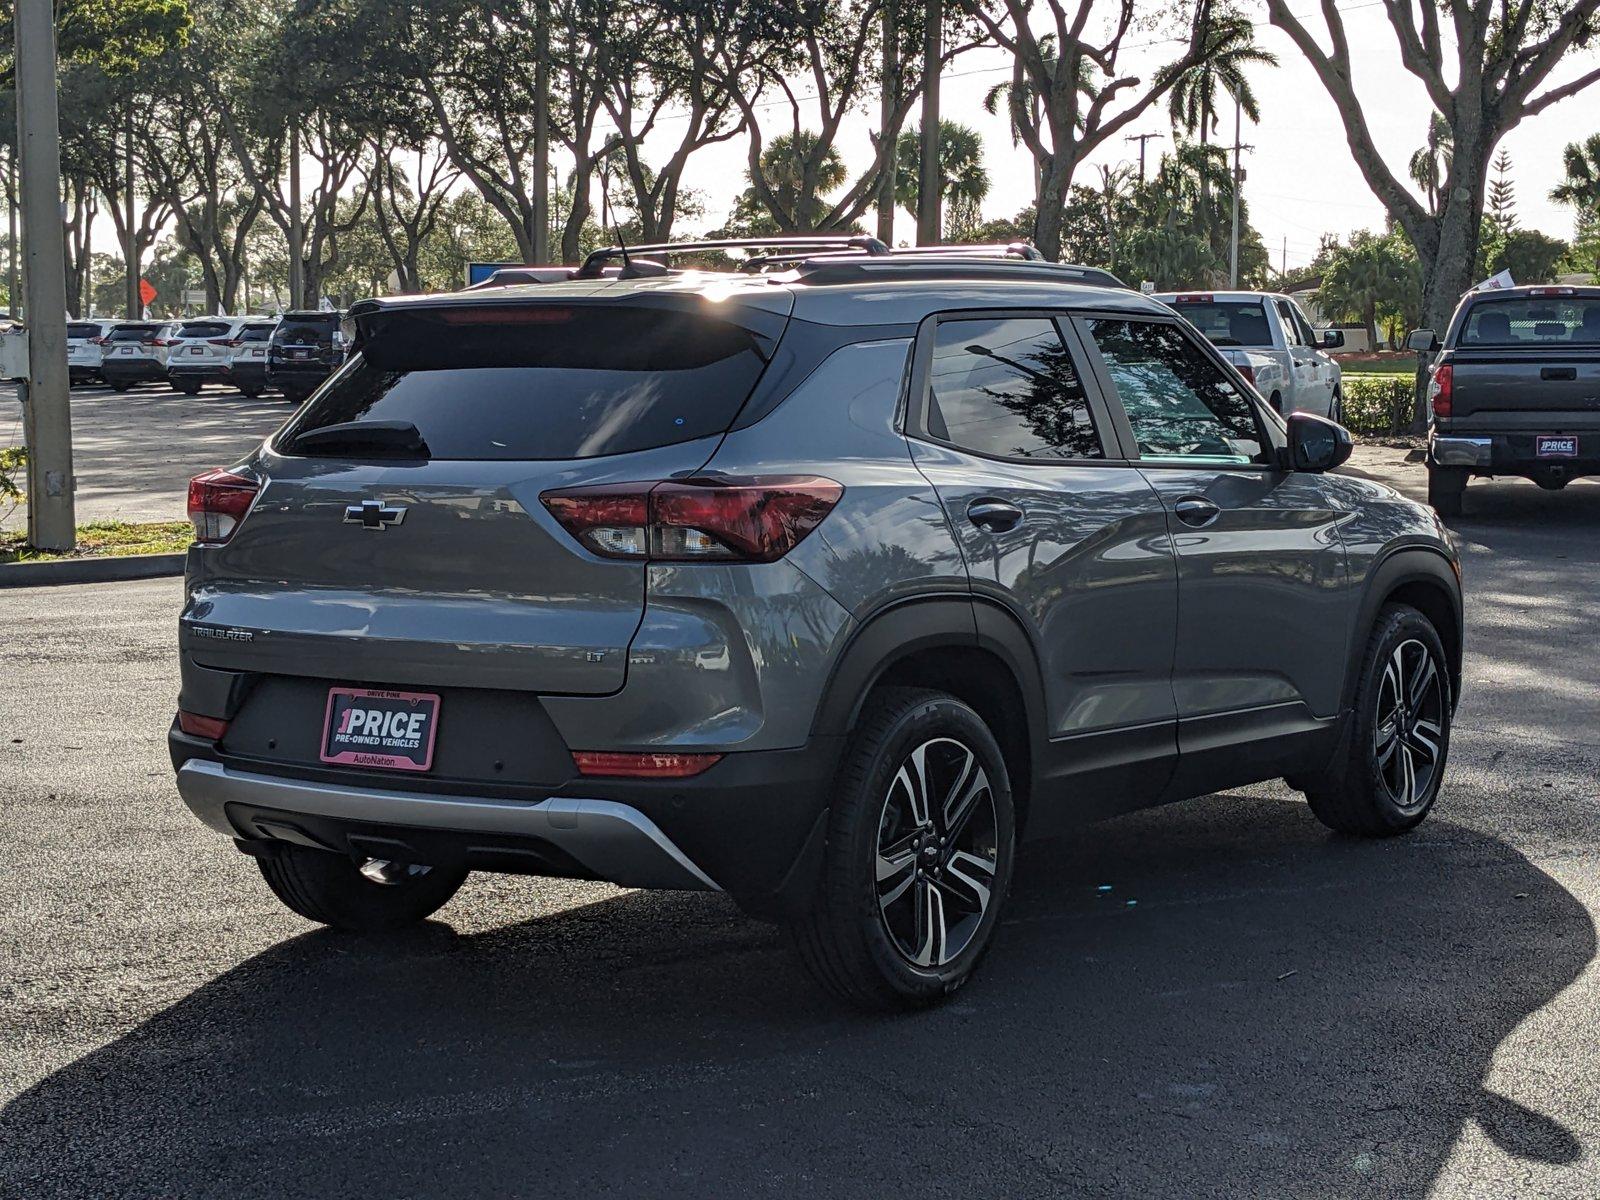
{"x": 374, "y": 514}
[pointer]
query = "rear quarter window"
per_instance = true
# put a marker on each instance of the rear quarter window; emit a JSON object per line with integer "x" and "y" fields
{"x": 542, "y": 382}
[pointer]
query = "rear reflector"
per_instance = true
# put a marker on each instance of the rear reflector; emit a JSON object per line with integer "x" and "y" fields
{"x": 758, "y": 519}
{"x": 642, "y": 766}
{"x": 218, "y": 501}
{"x": 193, "y": 724}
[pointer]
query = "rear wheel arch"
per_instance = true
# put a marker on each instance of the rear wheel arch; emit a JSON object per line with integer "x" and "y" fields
{"x": 1424, "y": 580}
{"x": 968, "y": 648}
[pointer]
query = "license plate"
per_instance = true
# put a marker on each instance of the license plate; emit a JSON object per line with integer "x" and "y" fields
{"x": 298, "y": 353}
{"x": 127, "y": 350}
{"x": 196, "y": 350}
{"x": 1556, "y": 446}
{"x": 374, "y": 728}
{"x": 257, "y": 353}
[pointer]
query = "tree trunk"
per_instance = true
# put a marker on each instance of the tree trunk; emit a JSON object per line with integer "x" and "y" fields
{"x": 1050, "y": 213}
{"x": 929, "y": 223}
{"x": 886, "y": 123}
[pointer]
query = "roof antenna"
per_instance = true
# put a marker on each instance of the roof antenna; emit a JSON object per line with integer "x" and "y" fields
{"x": 606, "y": 217}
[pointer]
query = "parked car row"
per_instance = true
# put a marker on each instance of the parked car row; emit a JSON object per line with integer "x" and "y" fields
{"x": 291, "y": 354}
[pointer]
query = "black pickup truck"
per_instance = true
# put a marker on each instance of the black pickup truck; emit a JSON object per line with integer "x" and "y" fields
{"x": 1515, "y": 390}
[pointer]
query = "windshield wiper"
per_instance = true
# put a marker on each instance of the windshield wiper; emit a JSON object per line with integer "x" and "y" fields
{"x": 376, "y": 439}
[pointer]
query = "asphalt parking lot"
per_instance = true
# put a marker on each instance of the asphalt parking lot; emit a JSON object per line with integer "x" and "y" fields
{"x": 133, "y": 452}
{"x": 1255, "y": 1008}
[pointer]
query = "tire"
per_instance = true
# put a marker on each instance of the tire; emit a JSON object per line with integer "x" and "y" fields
{"x": 1446, "y": 487}
{"x": 876, "y": 942}
{"x": 330, "y": 889}
{"x": 250, "y": 393}
{"x": 121, "y": 387}
{"x": 1336, "y": 409}
{"x": 1277, "y": 403}
{"x": 1361, "y": 793}
{"x": 187, "y": 388}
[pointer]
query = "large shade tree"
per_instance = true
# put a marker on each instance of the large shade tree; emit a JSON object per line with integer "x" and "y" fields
{"x": 1486, "y": 66}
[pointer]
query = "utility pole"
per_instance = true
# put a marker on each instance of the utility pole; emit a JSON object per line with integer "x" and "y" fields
{"x": 1141, "y": 138}
{"x": 297, "y": 234}
{"x": 46, "y": 415}
{"x": 13, "y": 299}
{"x": 930, "y": 225}
{"x": 1238, "y": 186}
{"x": 541, "y": 133}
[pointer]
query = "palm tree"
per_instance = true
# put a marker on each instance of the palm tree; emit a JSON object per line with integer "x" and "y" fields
{"x": 799, "y": 179}
{"x": 1581, "y": 187}
{"x": 1430, "y": 166}
{"x": 1230, "y": 46}
{"x": 963, "y": 179}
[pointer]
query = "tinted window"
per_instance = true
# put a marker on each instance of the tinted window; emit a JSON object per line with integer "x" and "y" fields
{"x": 256, "y": 333}
{"x": 1008, "y": 388}
{"x": 203, "y": 329}
{"x": 135, "y": 333}
{"x": 1228, "y": 322}
{"x": 83, "y": 329}
{"x": 1517, "y": 320}
{"x": 307, "y": 329}
{"x": 1308, "y": 335}
{"x": 574, "y": 383}
{"x": 1178, "y": 401}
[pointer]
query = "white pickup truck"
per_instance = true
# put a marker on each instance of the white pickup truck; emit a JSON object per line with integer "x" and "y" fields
{"x": 1272, "y": 343}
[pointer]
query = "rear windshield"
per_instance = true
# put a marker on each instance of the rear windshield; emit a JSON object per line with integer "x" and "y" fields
{"x": 83, "y": 329}
{"x": 202, "y": 329}
{"x": 256, "y": 333}
{"x": 307, "y": 329}
{"x": 135, "y": 333}
{"x": 1533, "y": 320}
{"x": 567, "y": 383}
{"x": 1228, "y": 322}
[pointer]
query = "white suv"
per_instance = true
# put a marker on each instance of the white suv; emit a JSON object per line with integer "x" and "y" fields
{"x": 135, "y": 352}
{"x": 247, "y": 359}
{"x": 201, "y": 352}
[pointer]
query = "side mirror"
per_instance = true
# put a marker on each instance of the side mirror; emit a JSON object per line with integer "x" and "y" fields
{"x": 1332, "y": 339}
{"x": 1316, "y": 444}
{"x": 1423, "y": 341}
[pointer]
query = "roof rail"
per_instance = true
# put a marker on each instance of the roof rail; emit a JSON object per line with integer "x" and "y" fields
{"x": 1023, "y": 250}
{"x": 798, "y": 246}
{"x": 838, "y": 268}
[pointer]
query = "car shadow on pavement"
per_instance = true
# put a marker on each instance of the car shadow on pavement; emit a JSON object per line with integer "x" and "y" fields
{"x": 1218, "y": 998}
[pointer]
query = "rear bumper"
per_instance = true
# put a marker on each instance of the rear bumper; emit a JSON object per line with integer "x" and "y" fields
{"x": 753, "y": 825}
{"x": 1513, "y": 454}
{"x": 249, "y": 373}
{"x": 134, "y": 371}
{"x": 614, "y": 841}
{"x": 203, "y": 371}
{"x": 296, "y": 378}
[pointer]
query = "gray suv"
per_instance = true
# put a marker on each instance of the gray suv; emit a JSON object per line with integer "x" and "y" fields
{"x": 820, "y": 586}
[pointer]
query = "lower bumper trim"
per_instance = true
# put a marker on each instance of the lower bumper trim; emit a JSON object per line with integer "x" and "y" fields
{"x": 615, "y": 841}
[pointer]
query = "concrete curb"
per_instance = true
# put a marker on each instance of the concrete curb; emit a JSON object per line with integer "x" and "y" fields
{"x": 91, "y": 570}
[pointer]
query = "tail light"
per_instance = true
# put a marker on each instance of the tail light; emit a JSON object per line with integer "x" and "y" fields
{"x": 218, "y": 501}
{"x": 223, "y": 341}
{"x": 642, "y": 766}
{"x": 100, "y": 341}
{"x": 707, "y": 520}
{"x": 195, "y": 725}
{"x": 1439, "y": 390}
{"x": 163, "y": 341}
{"x": 1247, "y": 371}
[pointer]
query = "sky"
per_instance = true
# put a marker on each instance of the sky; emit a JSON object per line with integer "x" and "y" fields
{"x": 1301, "y": 180}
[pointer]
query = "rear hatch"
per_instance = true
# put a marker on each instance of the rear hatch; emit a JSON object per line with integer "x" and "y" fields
{"x": 1526, "y": 363}
{"x": 427, "y": 558}
{"x": 200, "y": 344}
{"x": 132, "y": 343}
{"x": 251, "y": 345}
{"x": 307, "y": 340}
{"x": 81, "y": 341}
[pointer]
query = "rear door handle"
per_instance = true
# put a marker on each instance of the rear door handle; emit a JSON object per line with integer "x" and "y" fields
{"x": 1558, "y": 372}
{"x": 1196, "y": 511}
{"x": 995, "y": 516}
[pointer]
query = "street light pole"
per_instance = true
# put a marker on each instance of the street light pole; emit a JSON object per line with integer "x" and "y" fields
{"x": 1233, "y": 261}
{"x": 297, "y": 235}
{"x": 47, "y": 418}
